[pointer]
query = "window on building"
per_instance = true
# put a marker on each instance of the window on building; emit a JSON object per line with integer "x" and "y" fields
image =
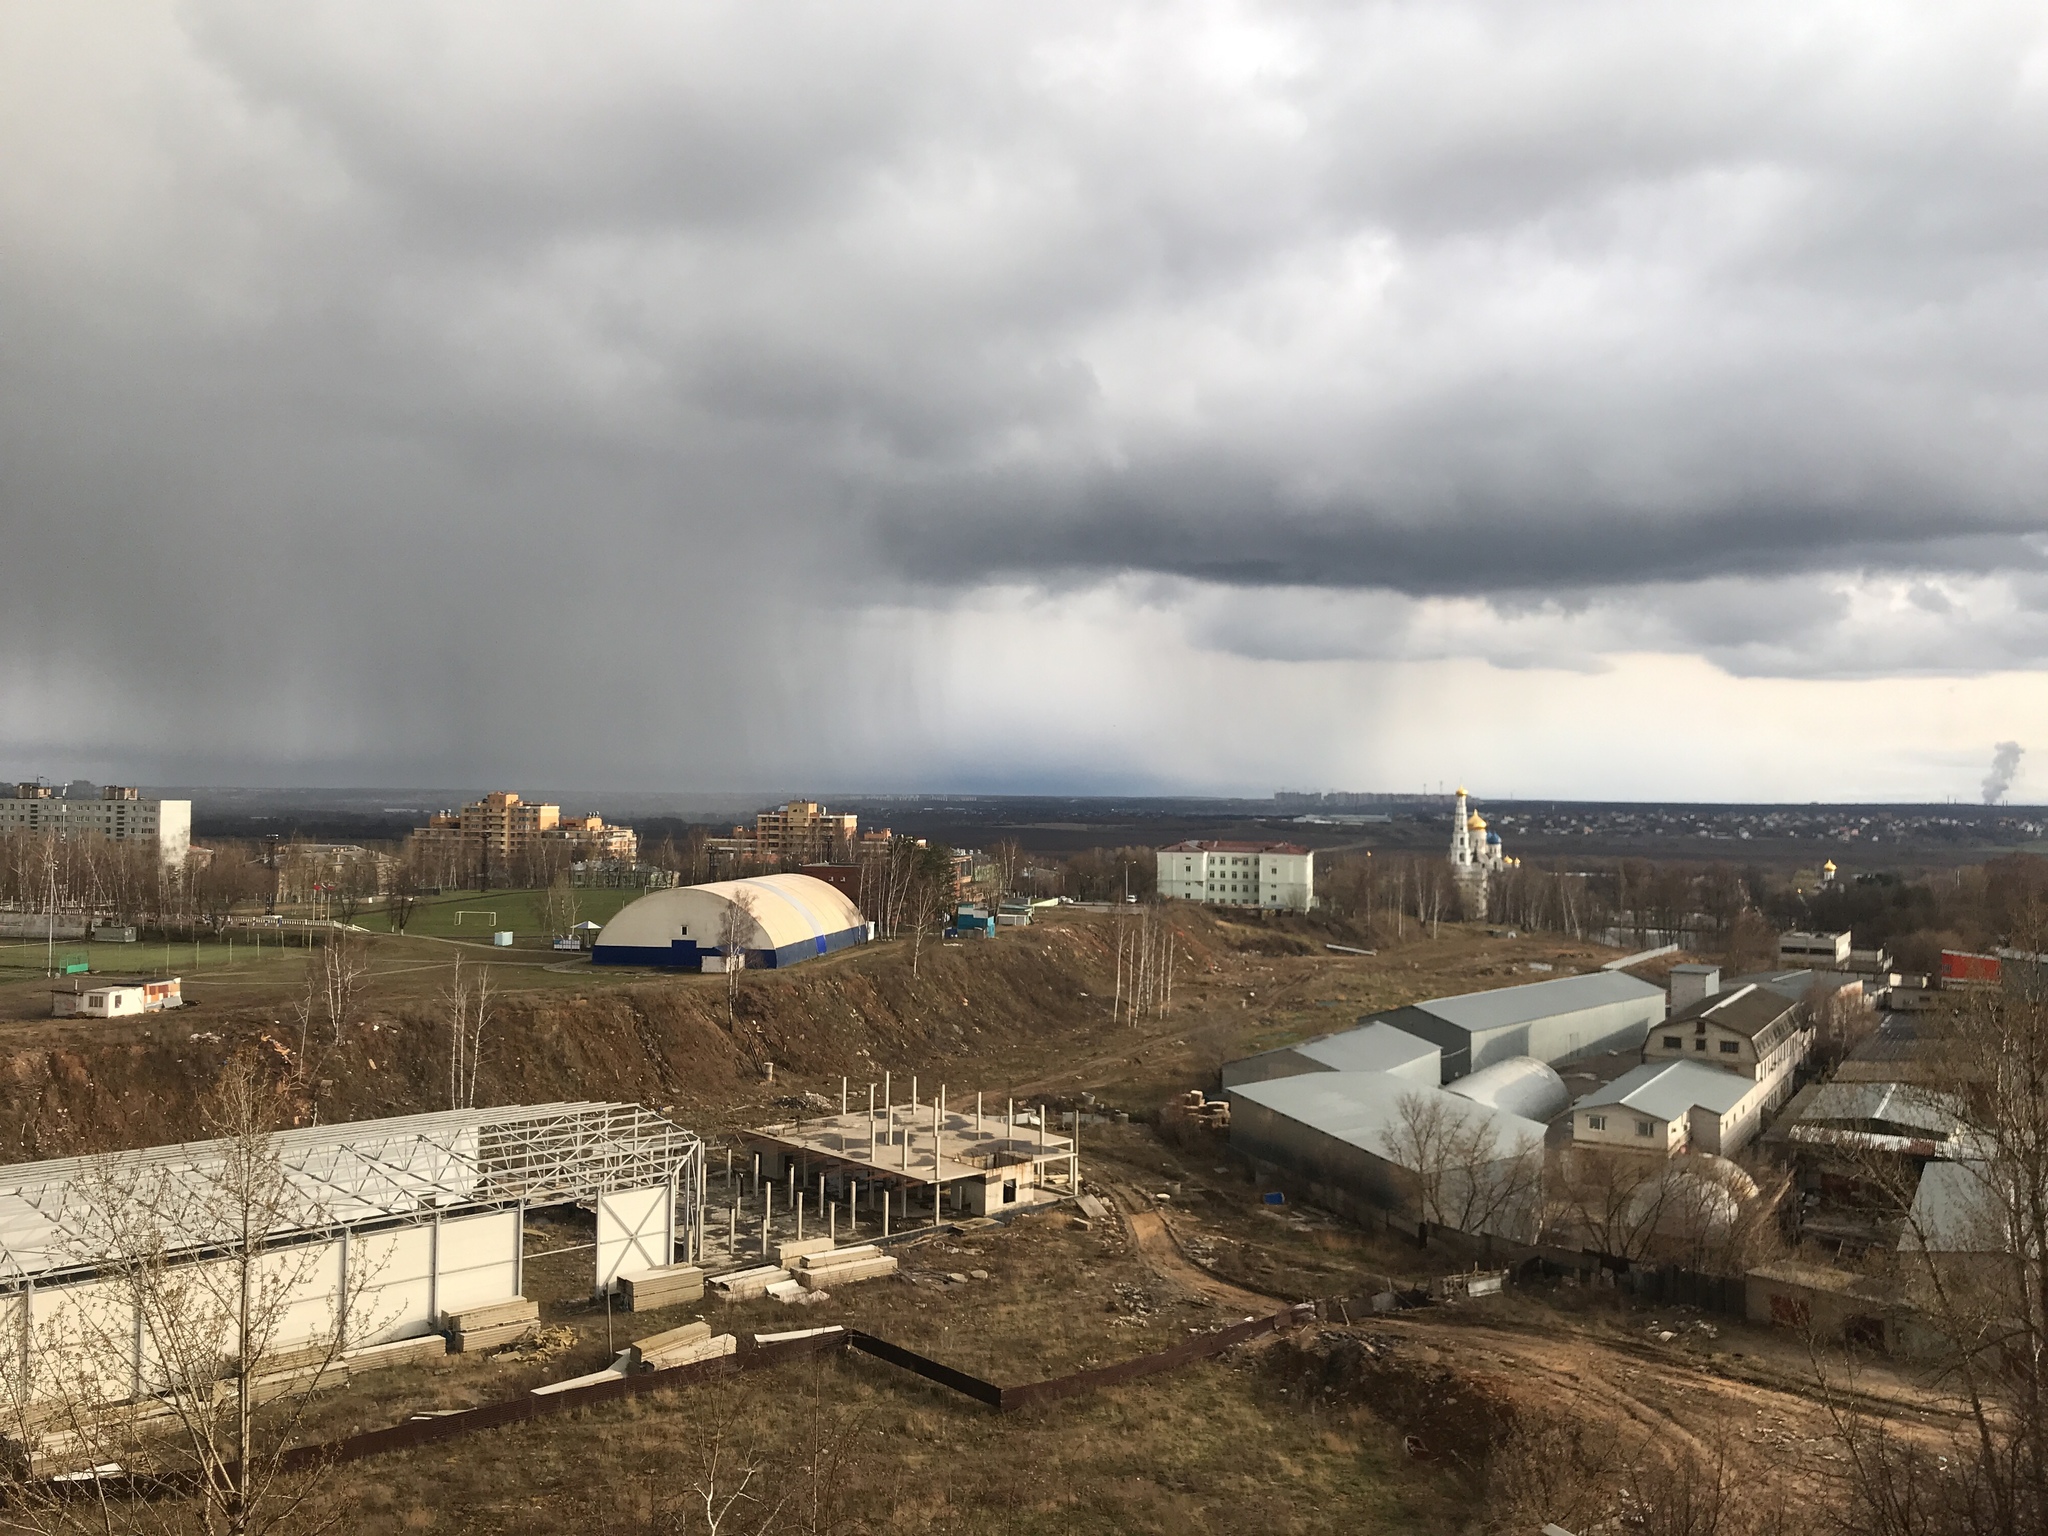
{"x": 1673, "y": 1043}
{"x": 1730, "y": 1047}
{"x": 1596, "y": 1122}
{"x": 1699, "y": 1045}
{"x": 1644, "y": 1127}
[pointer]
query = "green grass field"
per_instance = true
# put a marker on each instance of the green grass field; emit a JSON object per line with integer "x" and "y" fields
{"x": 243, "y": 953}
{"x": 476, "y": 914}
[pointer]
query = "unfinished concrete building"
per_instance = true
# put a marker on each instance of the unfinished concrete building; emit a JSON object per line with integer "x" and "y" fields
{"x": 924, "y": 1158}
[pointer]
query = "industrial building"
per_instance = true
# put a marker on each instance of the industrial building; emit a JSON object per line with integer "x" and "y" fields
{"x": 1276, "y": 877}
{"x": 1555, "y": 1021}
{"x": 1671, "y": 1106}
{"x": 116, "y": 812}
{"x": 1369, "y": 1048}
{"x": 1355, "y": 1134}
{"x": 431, "y": 1207}
{"x": 1750, "y": 1029}
{"x": 1712, "y": 1072}
{"x": 788, "y": 918}
{"x": 1828, "y": 951}
{"x": 922, "y": 1155}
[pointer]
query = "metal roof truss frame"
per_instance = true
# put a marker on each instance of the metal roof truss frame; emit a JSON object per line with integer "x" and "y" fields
{"x": 354, "y": 1174}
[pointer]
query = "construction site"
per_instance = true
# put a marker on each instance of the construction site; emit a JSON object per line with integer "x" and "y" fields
{"x": 793, "y": 1240}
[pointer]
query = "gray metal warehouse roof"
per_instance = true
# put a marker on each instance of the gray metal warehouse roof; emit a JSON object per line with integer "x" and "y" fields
{"x": 1668, "y": 1089}
{"x": 1505, "y": 1007}
{"x": 1364, "y": 1108}
{"x": 1375, "y": 1047}
{"x": 1958, "y": 1208}
{"x": 1908, "y": 1104}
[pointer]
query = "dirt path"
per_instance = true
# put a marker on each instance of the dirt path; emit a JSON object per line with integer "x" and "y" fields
{"x": 1155, "y": 1243}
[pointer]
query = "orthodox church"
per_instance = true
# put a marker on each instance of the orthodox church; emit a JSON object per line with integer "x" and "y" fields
{"x": 1476, "y": 853}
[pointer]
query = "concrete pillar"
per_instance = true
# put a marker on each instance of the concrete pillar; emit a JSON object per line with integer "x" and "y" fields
{"x": 792, "y": 1181}
{"x": 757, "y": 1175}
{"x": 885, "y": 1213}
{"x": 977, "y": 1114}
{"x": 799, "y": 1218}
{"x": 842, "y": 1095}
{"x": 732, "y": 1234}
{"x": 832, "y": 1223}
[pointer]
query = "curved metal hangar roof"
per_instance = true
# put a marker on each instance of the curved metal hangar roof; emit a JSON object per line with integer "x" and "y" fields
{"x": 789, "y": 918}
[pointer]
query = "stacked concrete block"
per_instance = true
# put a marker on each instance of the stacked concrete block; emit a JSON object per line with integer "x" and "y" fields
{"x": 745, "y": 1284}
{"x": 843, "y": 1266}
{"x": 426, "y": 1346}
{"x": 672, "y": 1285}
{"x": 488, "y": 1327}
{"x": 786, "y": 1254}
{"x": 682, "y": 1346}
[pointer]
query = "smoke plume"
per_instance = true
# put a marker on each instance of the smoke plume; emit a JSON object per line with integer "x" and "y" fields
{"x": 2005, "y": 764}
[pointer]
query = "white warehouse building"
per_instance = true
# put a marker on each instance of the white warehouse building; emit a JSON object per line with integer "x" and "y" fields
{"x": 117, "y": 813}
{"x": 1555, "y": 1021}
{"x": 426, "y": 1212}
{"x": 1276, "y": 877}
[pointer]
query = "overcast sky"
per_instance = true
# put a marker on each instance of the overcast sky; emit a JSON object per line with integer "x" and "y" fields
{"x": 1577, "y": 399}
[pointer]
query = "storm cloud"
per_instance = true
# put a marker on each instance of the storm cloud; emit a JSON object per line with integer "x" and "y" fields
{"x": 646, "y": 394}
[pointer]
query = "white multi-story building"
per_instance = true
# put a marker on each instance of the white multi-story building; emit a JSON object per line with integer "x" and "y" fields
{"x": 1276, "y": 876}
{"x": 117, "y": 813}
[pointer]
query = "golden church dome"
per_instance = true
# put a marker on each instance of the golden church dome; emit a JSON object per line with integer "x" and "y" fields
{"x": 1476, "y": 824}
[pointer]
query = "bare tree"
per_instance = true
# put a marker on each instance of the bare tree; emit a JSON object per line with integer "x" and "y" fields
{"x": 469, "y": 1001}
{"x": 193, "y": 1360}
{"x": 1610, "y": 1201}
{"x": 1007, "y": 859}
{"x": 1973, "y": 1260}
{"x": 1465, "y": 1175}
{"x": 404, "y": 888}
{"x": 736, "y": 928}
{"x": 563, "y": 905}
{"x": 326, "y": 1002}
{"x": 1144, "y": 957}
{"x": 1702, "y": 1212}
{"x": 1565, "y": 1470}
{"x": 930, "y": 892}
{"x": 356, "y": 882}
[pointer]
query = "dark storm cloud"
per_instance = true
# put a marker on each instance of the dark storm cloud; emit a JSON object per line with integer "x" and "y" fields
{"x": 376, "y": 379}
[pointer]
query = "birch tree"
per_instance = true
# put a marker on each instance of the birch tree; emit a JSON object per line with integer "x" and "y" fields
{"x": 736, "y": 927}
{"x": 469, "y": 1001}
